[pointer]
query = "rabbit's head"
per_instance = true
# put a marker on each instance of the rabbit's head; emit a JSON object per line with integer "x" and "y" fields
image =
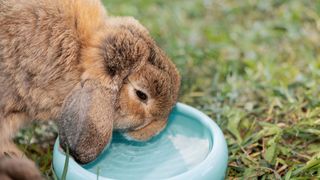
{"x": 128, "y": 84}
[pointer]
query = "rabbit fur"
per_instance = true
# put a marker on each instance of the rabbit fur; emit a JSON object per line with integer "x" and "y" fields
{"x": 68, "y": 61}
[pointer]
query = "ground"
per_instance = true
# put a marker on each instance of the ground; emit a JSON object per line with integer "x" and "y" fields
{"x": 252, "y": 66}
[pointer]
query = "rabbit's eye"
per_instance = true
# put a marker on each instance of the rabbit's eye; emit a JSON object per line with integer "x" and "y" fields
{"x": 141, "y": 95}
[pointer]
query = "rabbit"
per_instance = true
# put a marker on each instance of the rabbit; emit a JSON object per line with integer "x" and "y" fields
{"x": 69, "y": 61}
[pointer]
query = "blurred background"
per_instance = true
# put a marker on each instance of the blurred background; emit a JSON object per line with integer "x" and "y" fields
{"x": 251, "y": 65}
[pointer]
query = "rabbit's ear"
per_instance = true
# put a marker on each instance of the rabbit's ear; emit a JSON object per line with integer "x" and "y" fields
{"x": 86, "y": 121}
{"x": 123, "y": 53}
{"x": 115, "y": 53}
{"x": 128, "y": 23}
{"x": 158, "y": 59}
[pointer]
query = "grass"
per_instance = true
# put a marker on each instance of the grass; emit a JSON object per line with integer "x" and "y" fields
{"x": 253, "y": 66}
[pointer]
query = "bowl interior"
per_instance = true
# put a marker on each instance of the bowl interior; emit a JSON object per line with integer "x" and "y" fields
{"x": 181, "y": 146}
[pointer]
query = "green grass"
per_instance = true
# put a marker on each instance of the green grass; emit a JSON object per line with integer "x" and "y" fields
{"x": 253, "y": 66}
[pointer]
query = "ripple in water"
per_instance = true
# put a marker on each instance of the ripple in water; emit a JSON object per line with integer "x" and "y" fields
{"x": 181, "y": 146}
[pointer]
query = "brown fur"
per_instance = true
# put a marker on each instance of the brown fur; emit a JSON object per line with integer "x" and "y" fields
{"x": 67, "y": 60}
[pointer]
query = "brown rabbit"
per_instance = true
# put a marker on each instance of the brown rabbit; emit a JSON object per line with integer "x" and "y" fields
{"x": 67, "y": 60}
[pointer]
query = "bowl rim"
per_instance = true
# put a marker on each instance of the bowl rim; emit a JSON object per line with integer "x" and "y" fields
{"x": 218, "y": 154}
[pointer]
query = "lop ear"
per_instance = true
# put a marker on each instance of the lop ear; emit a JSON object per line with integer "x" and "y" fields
{"x": 86, "y": 121}
{"x": 158, "y": 59}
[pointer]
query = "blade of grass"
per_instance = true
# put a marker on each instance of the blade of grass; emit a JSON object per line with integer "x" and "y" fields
{"x": 98, "y": 173}
{"x": 314, "y": 163}
{"x": 66, "y": 164}
{"x": 55, "y": 177}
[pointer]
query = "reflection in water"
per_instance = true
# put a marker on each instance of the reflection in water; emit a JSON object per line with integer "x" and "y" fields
{"x": 190, "y": 154}
{"x": 181, "y": 146}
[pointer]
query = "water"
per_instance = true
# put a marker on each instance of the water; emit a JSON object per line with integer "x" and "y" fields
{"x": 181, "y": 146}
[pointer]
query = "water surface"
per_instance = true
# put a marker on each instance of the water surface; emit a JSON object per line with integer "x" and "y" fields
{"x": 180, "y": 147}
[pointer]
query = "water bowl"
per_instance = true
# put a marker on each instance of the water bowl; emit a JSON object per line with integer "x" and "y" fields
{"x": 191, "y": 147}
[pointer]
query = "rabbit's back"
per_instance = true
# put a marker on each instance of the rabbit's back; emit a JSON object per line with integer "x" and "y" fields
{"x": 39, "y": 54}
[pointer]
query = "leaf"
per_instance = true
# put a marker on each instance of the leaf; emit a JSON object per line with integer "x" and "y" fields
{"x": 312, "y": 164}
{"x": 288, "y": 175}
{"x": 270, "y": 153}
{"x": 234, "y": 119}
{"x": 272, "y": 149}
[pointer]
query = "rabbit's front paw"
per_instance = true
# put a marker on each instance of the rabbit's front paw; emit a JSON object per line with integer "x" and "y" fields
{"x": 14, "y": 168}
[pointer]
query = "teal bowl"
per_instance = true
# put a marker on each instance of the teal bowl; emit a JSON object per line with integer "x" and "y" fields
{"x": 191, "y": 147}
